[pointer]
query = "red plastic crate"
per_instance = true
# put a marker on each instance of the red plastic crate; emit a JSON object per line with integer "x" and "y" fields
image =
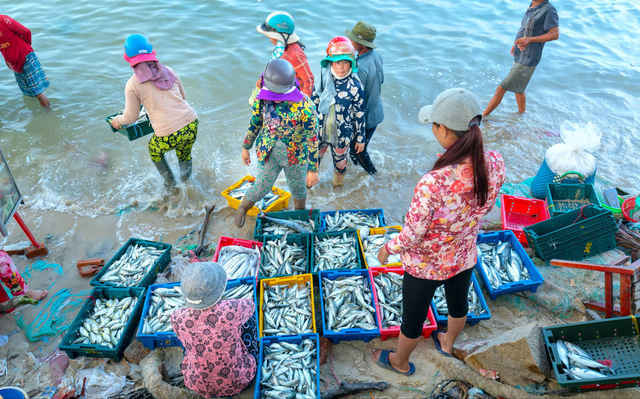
{"x": 394, "y": 331}
{"x": 226, "y": 241}
{"x": 520, "y": 212}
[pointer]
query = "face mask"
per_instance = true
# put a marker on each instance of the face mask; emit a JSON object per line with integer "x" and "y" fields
{"x": 340, "y": 77}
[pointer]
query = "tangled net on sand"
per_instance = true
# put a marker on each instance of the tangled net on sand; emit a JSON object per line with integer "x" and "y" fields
{"x": 457, "y": 389}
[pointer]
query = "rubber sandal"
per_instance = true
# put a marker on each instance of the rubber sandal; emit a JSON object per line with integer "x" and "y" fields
{"x": 436, "y": 341}
{"x": 383, "y": 361}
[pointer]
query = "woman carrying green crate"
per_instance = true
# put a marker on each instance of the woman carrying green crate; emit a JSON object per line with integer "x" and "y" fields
{"x": 284, "y": 126}
{"x": 159, "y": 89}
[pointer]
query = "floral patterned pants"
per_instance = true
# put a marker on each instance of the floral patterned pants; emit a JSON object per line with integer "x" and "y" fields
{"x": 338, "y": 153}
{"x": 268, "y": 173}
{"x": 182, "y": 141}
{"x": 10, "y": 276}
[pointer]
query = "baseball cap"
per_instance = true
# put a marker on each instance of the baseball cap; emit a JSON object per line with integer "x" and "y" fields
{"x": 454, "y": 108}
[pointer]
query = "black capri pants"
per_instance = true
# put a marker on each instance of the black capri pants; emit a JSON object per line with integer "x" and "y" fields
{"x": 417, "y": 294}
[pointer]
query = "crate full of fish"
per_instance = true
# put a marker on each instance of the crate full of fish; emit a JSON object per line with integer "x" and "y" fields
{"x": 337, "y": 250}
{"x": 351, "y": 219}
{"x": 289, "y": 367}
{"x": 504, "y": 265}
{"x": 387, "y": 295}
{"x": 136, "y": 264}
{"x": 516, "y": 213}
{"x": 240, "y": 258}
{"x": 563, "y": 198}
{"x": 595, "y": 355}
{"x": 348, "y": 311}
{"x": 574, "y": 235}
{"x": 292, "y": 222}
{"x": 155, "y": 329}
{"x": 371, "y": 240}
{"x": 478, "y": 308}
{"x": 136, "y": 130}
{"x": 286, "y": 306}
{"x": 284, "y": 256}
{"x": 277, "y": 199}
{"x": 105, "y": 324}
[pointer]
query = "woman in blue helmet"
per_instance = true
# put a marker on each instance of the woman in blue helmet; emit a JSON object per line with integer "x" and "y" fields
{"x": 159, "y": 89}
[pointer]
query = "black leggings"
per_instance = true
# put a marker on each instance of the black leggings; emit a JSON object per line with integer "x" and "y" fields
{"x": 417, "y": 294}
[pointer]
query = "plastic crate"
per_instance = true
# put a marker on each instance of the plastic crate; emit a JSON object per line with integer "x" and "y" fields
{"x": 517, "y": 213}
{"x": 574, "y": 235}
{"x": 394, "y": 331}
{"x": 279, "y": 204}
{"x": 563, "y": 198}
{"x": 312, "y": 252}
{"x": 292, "y": 239}
{"x": 348, "y": 334}
{"x": 74, "y": 350}
{"x": 226, "y": 241}
{"x": 293, "y": 339}
{"x": 133, "y": 131}
{"x": 472, "y": 319}
{"x": 532, "y": 284}
{"x": 300, "y": 280}
{"x": 165, "y": 339}
{"x": 379, "y": 211}
{"x": 613, "y": 339}
{"x": 379, "y": 230}
{"x": 306, "y": 215}
{"x": 161, "y": 264}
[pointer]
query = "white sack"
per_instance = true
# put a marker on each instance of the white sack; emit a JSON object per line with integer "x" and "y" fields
{"x": 574, "y": 154}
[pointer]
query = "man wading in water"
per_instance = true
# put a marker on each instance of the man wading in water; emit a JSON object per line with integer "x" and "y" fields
{"x": 539, "y": 25}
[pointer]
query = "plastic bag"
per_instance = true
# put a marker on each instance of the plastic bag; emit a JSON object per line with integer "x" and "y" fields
{"x": 330, "y": 127}
{"x": 253, "y": 96}
{"x": 99, "y": 384}
{"x": 574, "y": 154}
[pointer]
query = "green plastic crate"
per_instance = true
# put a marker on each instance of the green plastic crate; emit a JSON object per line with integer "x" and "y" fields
{"x": 562, "y": 198}
{"x": 616, "y": 339}
{"x": 305, "y": 215}
{"x": 133, "y": 131}
{"x": 90, "y": 350}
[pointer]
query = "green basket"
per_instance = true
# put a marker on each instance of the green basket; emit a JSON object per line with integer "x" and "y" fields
{"x": 133, "y": 131}
{"x": 305, "y": 215}
{"x": 562, "y": 198}
{"x": 616, "y": 339}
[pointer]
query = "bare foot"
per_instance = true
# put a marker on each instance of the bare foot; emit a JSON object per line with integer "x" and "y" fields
{"x": 375, "y": 355}
{"x": 36, "y": 294}
{"x": 445, "y": 345}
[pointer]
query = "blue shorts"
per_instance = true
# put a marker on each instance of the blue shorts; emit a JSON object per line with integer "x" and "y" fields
{"x": 32, "y": 81}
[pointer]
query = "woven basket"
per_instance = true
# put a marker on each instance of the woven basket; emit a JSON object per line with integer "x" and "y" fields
{"x": 545, "y": 176}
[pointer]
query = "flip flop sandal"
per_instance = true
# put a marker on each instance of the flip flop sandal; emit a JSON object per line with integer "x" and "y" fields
{"x": 383, "y": 361}
{"x": 436, "y": 341}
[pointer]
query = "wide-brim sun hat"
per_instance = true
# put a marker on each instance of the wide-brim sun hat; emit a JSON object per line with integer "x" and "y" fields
{"x": 453, "y": 108}
{"x": 203, "y": 284}
{"x": 340, "y": 48}
{"x": 279, "y": 25}
{"x": 363, "y": 33}
{"x": 140, "y": 58}
{"x": 279, "y": 82}
{"x": 342, "y": 57}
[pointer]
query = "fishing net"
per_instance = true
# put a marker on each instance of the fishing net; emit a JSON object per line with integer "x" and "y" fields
{"x": 457, "y": 389}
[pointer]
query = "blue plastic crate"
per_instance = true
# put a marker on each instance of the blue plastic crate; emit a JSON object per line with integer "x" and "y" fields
{"x": 312, "y": 252}
{"x": 472, "y": 319}
{"x": 350, "y": 334}
{"x": 293, "y": 339}
{"x": 365, "y": 211}
{"x": 166, "y": 339}
{"x": 532, "y": 284}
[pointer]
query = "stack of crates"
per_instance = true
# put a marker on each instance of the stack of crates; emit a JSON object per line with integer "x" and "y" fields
{"x": 563, "y": 198}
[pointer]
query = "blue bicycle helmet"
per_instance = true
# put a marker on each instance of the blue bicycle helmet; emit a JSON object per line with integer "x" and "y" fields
{"x": 137, "y": 44}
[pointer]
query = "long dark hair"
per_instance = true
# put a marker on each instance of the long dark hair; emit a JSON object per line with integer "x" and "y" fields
{"x": 302, "y": 46}
{"x": 469, "y": 144}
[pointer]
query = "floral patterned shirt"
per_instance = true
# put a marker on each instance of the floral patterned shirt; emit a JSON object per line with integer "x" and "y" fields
{"x": 216, "y": 361}
{"x": 439, "y": 238}
{"x": 293, "y": 123}
{"x": 349, "y": 108}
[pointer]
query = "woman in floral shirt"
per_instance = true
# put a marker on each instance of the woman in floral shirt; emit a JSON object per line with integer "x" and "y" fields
{"x": 438, "y": 242}
{"x": 339, "y": 97}
{"x": 285, "y": 125}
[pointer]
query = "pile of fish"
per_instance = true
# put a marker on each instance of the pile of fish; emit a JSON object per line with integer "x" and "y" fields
{"x": 133, "y": 266}
{"x": 578, "y": 364}
{"x": 371, "y": 244}
{"x": 348, "y": 304}
{"x": 287, "y": 310}
{"x": 284, "y": 226}
{"x": 240, "y": 192}
{"x": 165, "y": 300}
{"x": 351, "y": 221}
{"x": 475, "y": 306}
{"x": 239, "y": 261}
{"x": 502, "y": 264}
{"x": 289, "y": 370}
{"x": 389, "y": 291}
{"x": 335, "y": 252}
{"x": 281, "y": 258}
{"x": 142, "y": 117}
{"x": 106, "y": 322}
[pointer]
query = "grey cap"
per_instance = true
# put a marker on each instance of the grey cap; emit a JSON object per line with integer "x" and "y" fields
{"x": 454, "y": 108}
{"x": 203, "y": 284}
{"x": 279, "y": 75}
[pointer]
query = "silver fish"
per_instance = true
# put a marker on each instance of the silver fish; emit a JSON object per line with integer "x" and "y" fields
{"x": 389, "y": 292}
{"x": 239, "y": 261}
{"x": 105, "y": 323}
{"x": 475, "y": 306}
{"x": 371, "y": 244}
{"x": 263, "y": 204}
{"x": 335, "y": 252}
{"x": 289, "y": 370}
{"x": 288, "y": 225}
{"x": 501, "y": 263}
{"x": 348, "y": 304}
{"x": 350, "y": 221}
{"x": 281, "y": 258}
{"x": 132, "y": 266}
{"x": 287, "y": 309}
{"x": 579, "y": 364}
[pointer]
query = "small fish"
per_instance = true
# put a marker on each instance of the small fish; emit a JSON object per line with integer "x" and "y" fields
{"x": 290, "y": 370}
{"x": 263, "y": 204}
{"x": 475, "y": 306}
{"x": 501, "y": 264}
{"x": 287, "y": 309}
{"x": 295, "y": 226}
{"x": 113, "y": 312}
{"x": 239, "y": 261}
{"x": 389, "y": 291}
{"x": 281, "y": 258}
{"x": 342, "y": 220}
{"x": 348, "y": 303}
{"x": 371, "y": 244}
{"x": 335, "y": 252}
{"x": 132, "y": 266}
